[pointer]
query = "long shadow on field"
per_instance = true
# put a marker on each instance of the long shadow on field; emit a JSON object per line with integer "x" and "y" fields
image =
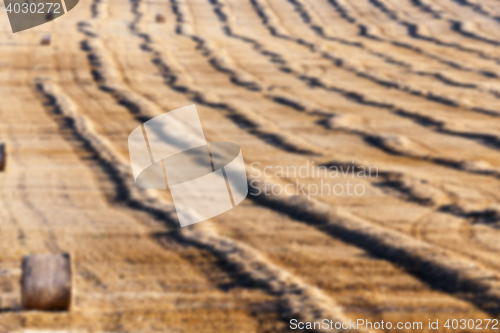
{"x": 226, "y": 275}
{"x": 438, "y": 278}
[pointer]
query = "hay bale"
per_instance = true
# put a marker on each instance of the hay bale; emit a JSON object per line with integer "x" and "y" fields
{"x": 46, "y": 282}
{"x": 45, "y": 40}
{"x": 160, "y": 18}
{"x": 3, "y": 157}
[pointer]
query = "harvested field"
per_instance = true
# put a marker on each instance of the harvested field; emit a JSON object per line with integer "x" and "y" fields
{"x": 407, "y": 91}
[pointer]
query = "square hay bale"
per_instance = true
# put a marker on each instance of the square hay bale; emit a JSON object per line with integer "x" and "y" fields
{"x": 46, "y": 282}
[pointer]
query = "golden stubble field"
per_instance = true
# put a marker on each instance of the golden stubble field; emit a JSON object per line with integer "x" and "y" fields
{"x": 410, "y": 87}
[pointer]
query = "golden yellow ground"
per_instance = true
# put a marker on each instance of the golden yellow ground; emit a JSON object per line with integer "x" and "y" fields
{"x": 409, "y": 86}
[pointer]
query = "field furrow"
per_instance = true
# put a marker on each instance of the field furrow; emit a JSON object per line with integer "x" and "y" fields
{"x": 407, "y": 89}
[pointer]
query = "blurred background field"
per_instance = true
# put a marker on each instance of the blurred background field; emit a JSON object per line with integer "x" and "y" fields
{"x": 410, "y": 87}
